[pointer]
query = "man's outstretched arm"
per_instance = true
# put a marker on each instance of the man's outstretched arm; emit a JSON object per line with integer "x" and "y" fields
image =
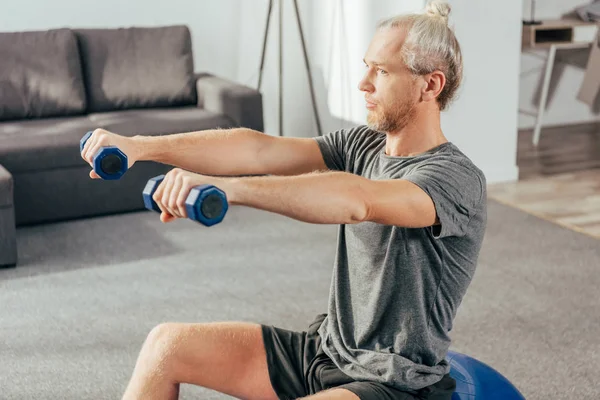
{"x": 325, "y": 197}
{"x": 337, "y": 198}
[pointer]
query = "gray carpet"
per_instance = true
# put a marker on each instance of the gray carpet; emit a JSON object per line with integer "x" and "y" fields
{"x": 86, "y": 293}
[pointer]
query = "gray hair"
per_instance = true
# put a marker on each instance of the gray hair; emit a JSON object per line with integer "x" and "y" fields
{"x": 431, "y": 45}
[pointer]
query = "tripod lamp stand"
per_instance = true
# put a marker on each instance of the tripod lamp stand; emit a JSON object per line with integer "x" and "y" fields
{"x": 306, "y": 62}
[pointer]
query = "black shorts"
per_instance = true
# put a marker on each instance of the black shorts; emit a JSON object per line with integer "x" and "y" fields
{"x": 298, "y": 367}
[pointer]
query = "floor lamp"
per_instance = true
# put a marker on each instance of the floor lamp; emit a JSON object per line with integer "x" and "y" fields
{"x": 307, "y": 64}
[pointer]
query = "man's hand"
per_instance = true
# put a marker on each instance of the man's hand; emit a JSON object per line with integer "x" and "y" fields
{"x": 174, "y": 189}
{"x": 101, "y": 138}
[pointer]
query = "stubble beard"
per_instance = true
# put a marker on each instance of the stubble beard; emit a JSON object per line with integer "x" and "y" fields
{"x": 393, "y": 118}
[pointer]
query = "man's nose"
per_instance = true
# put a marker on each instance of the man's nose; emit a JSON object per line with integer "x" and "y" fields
{"x": 365, "y": 85}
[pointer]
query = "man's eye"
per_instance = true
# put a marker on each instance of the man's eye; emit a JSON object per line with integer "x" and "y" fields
{"x": 381, "y": 71}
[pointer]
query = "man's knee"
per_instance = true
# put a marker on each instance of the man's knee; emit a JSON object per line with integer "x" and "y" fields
{"x": 163, "y": 333}
{"x": 163, "y": 341}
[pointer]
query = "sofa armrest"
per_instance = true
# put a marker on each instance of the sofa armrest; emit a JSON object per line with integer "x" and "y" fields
{"x": 8, "y": 234}
{"x": 241, "y": 104}
{"x": 6, "y": 188}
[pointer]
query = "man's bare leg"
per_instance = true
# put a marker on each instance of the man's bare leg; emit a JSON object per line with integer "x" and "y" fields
{"x": 228, "y": 357}
{"x": 333, "y": 394}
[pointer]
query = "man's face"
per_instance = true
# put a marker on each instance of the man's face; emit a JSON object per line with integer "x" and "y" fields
{"x": 390, "y": 89}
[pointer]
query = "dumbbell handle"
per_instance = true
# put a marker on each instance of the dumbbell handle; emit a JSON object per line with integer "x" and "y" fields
{"x": 110, "y": 163}
{"x": 206, "y": 204}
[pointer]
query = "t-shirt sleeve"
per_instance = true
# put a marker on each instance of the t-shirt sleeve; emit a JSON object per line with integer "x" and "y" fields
{"x": 457, "y": 189}
{"x": 333, "y": 149}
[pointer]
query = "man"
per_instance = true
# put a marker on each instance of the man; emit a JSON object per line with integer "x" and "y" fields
{"x": 412, "y": 214}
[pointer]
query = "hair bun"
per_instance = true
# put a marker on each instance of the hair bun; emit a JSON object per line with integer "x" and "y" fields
{"x": 438, "y": 8}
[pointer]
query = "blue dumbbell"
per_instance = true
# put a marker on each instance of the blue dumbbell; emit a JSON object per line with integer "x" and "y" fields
{"x": 206, "y": 204}
{"x": 110, "y": 163}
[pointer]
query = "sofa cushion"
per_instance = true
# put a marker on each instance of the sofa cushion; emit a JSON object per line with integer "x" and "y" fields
{"x": 32, "y": 145}
{"x": 129, "y": 68}
{"x": 54, "y": 143}
{"x": 160, "y": 121}
{"x": 40, "y": 75}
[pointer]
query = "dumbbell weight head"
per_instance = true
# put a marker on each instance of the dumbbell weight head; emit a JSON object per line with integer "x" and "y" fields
{"x": 84, "y": 139}
{"x": 149, "y": 190}
{"x": 206, "y": 204}
{"x": 110, "y": 163}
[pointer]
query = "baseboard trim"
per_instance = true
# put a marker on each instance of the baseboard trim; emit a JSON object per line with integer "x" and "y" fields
{"x": 592, "y": 124}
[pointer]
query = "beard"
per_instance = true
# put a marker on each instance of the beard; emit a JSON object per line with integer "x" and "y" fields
{"x": 393, "y": 118}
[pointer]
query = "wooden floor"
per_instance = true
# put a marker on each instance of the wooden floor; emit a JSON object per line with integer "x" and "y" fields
{"x": 560, "y": 150}
{"x": 560, "y": 179}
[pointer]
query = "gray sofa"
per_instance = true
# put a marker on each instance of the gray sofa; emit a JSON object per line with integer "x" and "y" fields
{"x": 56, "y": 85}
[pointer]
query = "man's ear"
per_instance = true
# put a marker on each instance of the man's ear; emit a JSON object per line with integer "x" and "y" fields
{"x": 433, "y": 85}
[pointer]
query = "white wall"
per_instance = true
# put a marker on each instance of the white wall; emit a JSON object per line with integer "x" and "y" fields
{"x": 563, "y": 106}
{"x": 214, "y": 28}
{"x": 227, "y": 38}
{"x": 483, "y": 121}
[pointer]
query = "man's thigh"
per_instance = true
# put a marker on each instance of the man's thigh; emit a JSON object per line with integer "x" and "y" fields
{"x": 333, "y": 394}
{"x": 228, "y": 357}
{"x": 360, "y": 391}
{"x": 364, "y": 390}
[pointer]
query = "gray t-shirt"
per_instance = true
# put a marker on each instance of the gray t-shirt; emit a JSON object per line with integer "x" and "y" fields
{"x": 394, "y": 290}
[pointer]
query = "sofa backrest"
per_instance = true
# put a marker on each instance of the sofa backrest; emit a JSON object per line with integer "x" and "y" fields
{"x": 40, "y": 75}
{"x": 137, "y": 67}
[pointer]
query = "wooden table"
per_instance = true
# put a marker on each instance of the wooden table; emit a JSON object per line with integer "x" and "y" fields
{"x": 555, "y": 35}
